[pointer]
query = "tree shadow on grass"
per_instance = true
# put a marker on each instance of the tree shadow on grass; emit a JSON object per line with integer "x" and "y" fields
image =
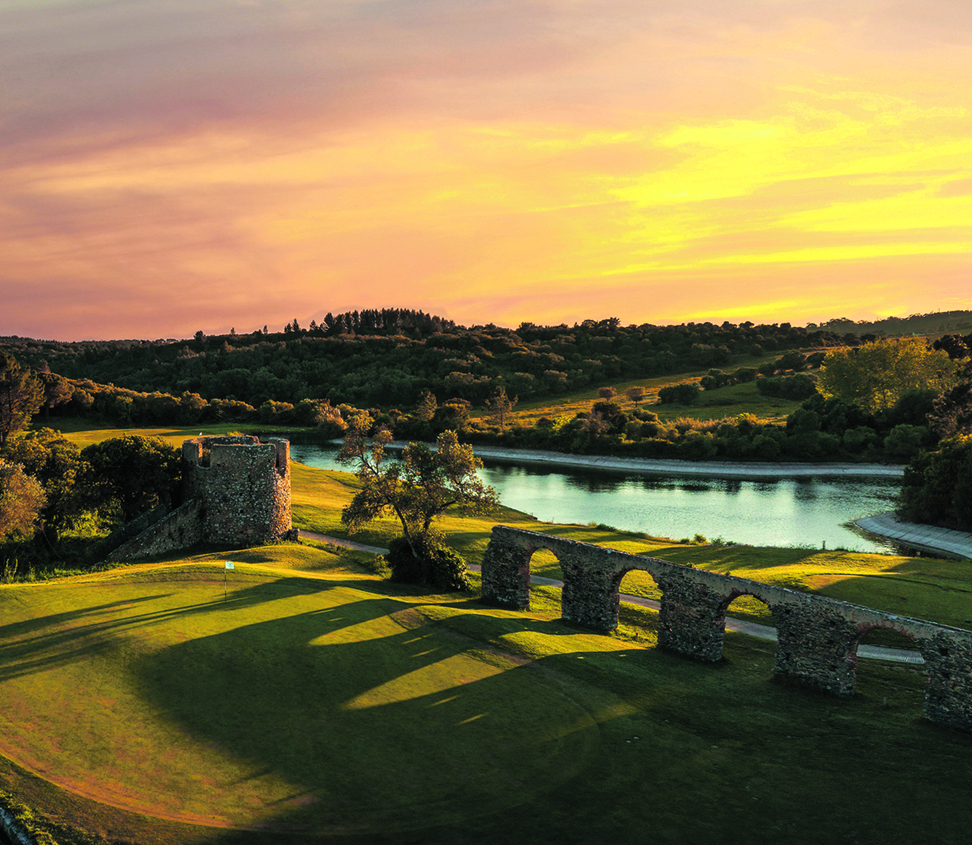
{"x": 44, "y": 642}
{"x": 685, "y": 751}
{"x": 340, "y": 721}
{"x": 335, "y": 721}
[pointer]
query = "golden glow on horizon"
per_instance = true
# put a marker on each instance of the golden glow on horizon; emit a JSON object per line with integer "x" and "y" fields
{"x": 561, "y": 165}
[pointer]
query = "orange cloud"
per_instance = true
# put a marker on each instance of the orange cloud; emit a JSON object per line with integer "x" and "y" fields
{"x": 246, "y": 163}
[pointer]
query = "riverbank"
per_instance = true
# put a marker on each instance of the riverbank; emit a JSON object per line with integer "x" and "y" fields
{"x": 693, "y": 469}
{"x": 700, "y": 469}
{"x": 926, "y": 538}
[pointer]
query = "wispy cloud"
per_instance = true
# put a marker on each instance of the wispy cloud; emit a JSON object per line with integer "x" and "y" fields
{"x": 169, "y": 165}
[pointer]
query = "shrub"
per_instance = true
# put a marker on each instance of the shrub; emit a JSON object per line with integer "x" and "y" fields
{"x": 858, "y": 439}
{"x": 766, "y": 448}
{"x": 800, "y": 386}
{"x": 679, "y": 394}
{"x": 435, "y": 564}
{"x": 905, "y": 441}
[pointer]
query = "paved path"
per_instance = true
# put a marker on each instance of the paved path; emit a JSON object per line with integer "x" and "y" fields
{"x": 345, "y": 544}
{"x": 927, "y": 538}
{"x": 706, "y": 469}
{"x": 754, "y": 629}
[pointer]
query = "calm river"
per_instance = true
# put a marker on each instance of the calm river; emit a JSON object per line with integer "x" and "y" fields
{"x": 787, "y": 512}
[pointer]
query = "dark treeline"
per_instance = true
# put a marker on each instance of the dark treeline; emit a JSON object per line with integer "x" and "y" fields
{"x": 387, "y": 358}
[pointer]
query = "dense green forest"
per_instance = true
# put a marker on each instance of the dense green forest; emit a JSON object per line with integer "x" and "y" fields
{"x": 387, "y": 359}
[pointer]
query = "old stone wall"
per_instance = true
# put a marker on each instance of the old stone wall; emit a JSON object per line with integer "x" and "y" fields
{"x": 178, "y": 529}
{"x": 817, "y": 637}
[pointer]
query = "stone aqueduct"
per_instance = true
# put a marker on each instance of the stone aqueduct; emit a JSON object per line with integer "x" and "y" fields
{"x": 817, "y": 637}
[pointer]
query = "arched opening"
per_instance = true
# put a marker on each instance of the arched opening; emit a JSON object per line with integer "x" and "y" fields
{"x": 546, "y": 581}
{"x": 891, "y": 674}
{"x": 750, "y": 633}
{"x": 639, "y": 597}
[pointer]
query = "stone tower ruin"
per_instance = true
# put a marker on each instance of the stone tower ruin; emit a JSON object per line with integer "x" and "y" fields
{"x": 235, "y": 493}
{"x": 243, "y": 485}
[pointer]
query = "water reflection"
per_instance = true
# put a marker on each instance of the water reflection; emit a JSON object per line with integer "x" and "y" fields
{"x": 808, "y": 512}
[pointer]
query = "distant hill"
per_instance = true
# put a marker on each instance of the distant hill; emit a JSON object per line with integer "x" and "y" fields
{"x": 939, "y": 323}
{"x": 387, "y": 359}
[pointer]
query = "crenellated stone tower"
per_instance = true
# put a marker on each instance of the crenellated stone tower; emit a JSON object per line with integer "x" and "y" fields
{"x": 243, "y": 486}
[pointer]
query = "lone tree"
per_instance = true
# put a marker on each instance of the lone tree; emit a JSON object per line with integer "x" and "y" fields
{"x": 416, "y": 489}
{"x": 426, "y": 408}
{"x": 21, "y": 395}
{"x": 498, "y": 408}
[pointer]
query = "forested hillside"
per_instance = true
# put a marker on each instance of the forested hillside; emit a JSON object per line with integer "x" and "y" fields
{"x": 937, "y": 323}
{"x": 389, "y": 358}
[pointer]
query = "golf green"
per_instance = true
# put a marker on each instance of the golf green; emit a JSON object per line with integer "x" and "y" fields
{"x": 299, "y": 702}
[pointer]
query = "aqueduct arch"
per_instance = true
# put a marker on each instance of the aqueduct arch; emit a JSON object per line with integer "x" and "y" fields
{"x": 817, "y": 637}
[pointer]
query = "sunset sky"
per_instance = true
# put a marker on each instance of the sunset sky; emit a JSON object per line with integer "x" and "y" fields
{"x": 174, "y": 165}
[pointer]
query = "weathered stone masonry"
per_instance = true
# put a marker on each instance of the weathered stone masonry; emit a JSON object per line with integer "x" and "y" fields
{"x": 244, "y": 487}
{"x": 236, "y": 492}
{"x": 817, "y": 636}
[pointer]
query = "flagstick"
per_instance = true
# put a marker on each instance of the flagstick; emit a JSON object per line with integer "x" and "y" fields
{"x": 227, "y": 564}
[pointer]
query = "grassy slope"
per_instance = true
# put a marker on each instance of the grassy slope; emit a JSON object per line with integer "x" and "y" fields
{"x": 712, "y": 404}
{"x": 81, "y": 432}
{"x": 320, "y": 701}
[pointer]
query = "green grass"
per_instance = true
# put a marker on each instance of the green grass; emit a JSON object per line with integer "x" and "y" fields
{"x": 712, "y": 404}
{"x": 319, "y": 702}
{"x": 81, "y": 432}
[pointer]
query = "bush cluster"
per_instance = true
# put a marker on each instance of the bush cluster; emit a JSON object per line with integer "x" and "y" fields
{"x": 937, "y": 487}
{"x": 432, "y": 563}
{"x": 820, "y": 430}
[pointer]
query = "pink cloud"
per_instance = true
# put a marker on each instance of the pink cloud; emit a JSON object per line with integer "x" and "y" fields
{"x": 167, "y": 166}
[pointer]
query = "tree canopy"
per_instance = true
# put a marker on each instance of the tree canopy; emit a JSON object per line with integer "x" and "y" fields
{"x": 21, "y": 500}
{"x": 416, "y": 489}
{"x": 56, "y": 463}
{"x": 937, "y": 486}
{"x": 876, "y": 375}
{"x": 21, "y": 395}
{"x": 135, "y": 472}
